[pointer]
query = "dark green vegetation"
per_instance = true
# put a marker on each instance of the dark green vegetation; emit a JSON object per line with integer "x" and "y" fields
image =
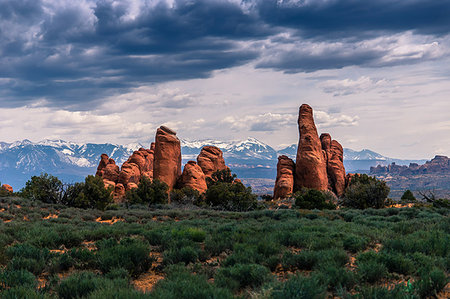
{"x": 205, "y": 253}
{"x": 365, "y": 192}
{"x": 314, "y": 199}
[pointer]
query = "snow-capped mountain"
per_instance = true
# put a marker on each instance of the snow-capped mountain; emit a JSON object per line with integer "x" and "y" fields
{"x": 71, "y": 161}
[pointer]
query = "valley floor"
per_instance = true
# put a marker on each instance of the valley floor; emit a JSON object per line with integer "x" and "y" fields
{"x": 53, "y": 251}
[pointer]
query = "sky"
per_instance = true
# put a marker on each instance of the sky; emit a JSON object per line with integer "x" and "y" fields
{"x": 375, "y": 72}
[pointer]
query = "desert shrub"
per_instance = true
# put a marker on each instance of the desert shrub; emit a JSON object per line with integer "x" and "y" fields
{"x": 336, "y": 277}
{"x": 430, "y": 283}
{"x": 191, "y": 233}
{"x": 313, "y": 199}
{"x": 399, "y": 292}
{"x": 181, "y": 284}
{"x": 304, "y": 260}
{"x": 23, "y": 292}
{"x": 45, "y": 188}
{"x": 242, "y": 275}
{"x": 90, "y": 194}
{"x": 355, "y": 243}
{"x": 82, "y": 258}
{"x": 243, "y": 254}
{"x": 397, "y": 262}
{"x": 366, "y": 192}
{"x": 186, "y": 195}
{"x": 300, "y": 287}
{"x": 82, "y": 284}
{"x": 148, "y": 192}
{"x": 408, "y": 196}
{"x": 27, "y": 257}
{"x": 155, "y": 237}
{"x": 17, "y": 278}
{"x": 370, "y": 269}
{"x": 334, "y": 256}
{"x": 116, "y": 293}
{"x": 231, "y": 196}
{"x": 185, "y": 254}
{"x": 217, "y": 243}
{"x": 130, "y": 254}
{"x": 221, "y": 176}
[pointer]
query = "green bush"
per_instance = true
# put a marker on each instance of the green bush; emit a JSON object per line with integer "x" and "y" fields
{"x": 17, "y": 278}
{"x": 408, "y": 196}
{"x": 366, "y": 192}
{"x": 397, "y": 262}
{"x": 355, "y": 243}
{"x": 231, "y": 196}
{"x": 148, "y": 192}
{"x": 129, "y": 254}
{"x": 92, "y": 194}
{"x": 313, "y": 199}
{"x": 242, "y": 275}
{"x": 182, "y": 285}
{"x": 23, "y": 292}
{"x": 82, "y": 284}
{"x": 300, "y": 287}
{"x": 27, "y": 257}
{"x": 186, "y": 255}
{"x": 430, "y": 283}
{"x": 221, "y": 176}
{"x": 45, "y": 188}
{"x": 336, "y": 277}
{"x": 304, "y": 260}
{"x": 371, "y": 270}
{"x": 186, "y": 195}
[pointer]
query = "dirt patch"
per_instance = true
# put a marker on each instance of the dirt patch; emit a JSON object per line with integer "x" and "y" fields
{"x": 89, "y": 245}
{"x": 109, "y": 221}
{"x": 147, "y": 281}
{"x": 50, "y": 216}
{"x": 18, "y": 206}
{"x": 58, "y": 251}
{"x": 445, "y": 292}
{"x": 402, "y": 205}
{"x": 25, "y": 218}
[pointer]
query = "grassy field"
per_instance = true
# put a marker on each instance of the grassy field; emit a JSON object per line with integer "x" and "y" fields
{"x": 53, "y": 251}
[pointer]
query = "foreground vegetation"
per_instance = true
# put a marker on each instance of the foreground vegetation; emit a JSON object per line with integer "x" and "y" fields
{"x": 56, "y": 251}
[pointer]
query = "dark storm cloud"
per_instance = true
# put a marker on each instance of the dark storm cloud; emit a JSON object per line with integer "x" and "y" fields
{"x": 326, "y": 19}
{"x": 70, "y": 53}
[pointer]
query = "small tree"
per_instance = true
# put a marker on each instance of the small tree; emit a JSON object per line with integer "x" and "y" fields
{"x": 366, "y": 192}
{"x": 224, "y": 192}
{"x": 408, "y": 196}
{"x": 148, "y": 192}
{"x": 313, "y": 199}
{"x": 186, "y": 195}
{"x": 45, "y": 188}
{"x": 90, "y": 194}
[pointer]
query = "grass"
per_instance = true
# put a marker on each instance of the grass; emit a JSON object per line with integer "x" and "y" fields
{"x": 206, "y": 253}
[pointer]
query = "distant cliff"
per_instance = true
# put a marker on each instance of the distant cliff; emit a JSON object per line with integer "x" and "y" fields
{"x": 437, "y": 165}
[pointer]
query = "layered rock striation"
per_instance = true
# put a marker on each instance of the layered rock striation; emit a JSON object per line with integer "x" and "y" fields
{"x": 284, "y": 184}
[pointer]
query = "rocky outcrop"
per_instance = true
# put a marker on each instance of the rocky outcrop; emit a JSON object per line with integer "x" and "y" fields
{"x": 108, "y": 171}
{"x": 335, "y": 168}
{"x": 284, "y": 183}
{"x": 211, "y": 160}
{"x": 193, "y": 177}
{"x": 167, "y": 157}
{"x": 129, "y": 174}
{"x": 437, "y": 165}
{"x": 7, "y": 188}
{"x": 144, "y": 159}
{"x": 310, "y": 166}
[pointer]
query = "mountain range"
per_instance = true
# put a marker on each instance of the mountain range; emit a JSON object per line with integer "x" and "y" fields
{"x": 251, "y": 159}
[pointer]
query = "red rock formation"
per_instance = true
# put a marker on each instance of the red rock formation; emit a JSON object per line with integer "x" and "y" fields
{"x": 310, "y": 168}
{"x": 7, "y": 188}
{"x": 211, "y": 160}
{"x": 108, "y": 170}
{"x": 167, "y": 161}
{"x": 144, "y": 159}
{"x": 335, "y": 168}
{"x": 119, "y": 192}
{"x": 193, "y": 177}
{"x": 284, "y": 183}
{"x": 129, "y": 173}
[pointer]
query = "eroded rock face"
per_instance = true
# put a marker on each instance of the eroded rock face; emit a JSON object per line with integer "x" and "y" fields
{"x": 311, "y": 167}
{"x": 108, "y": 170}
{"x": 7, "y": 188}
{"x": 211, "y": 160}
{"x": 144, "y": 159}
{"x": 129, "y": 173}
{"x": 193, "y": 177}
{"x": 284, "y": 183}
{"x": 119, "y": 191}
{"x": 335, "y": 168}
{"x": 167, "y": 157}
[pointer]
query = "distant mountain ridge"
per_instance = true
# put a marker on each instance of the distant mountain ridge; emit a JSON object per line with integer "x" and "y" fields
{"x": 71, "y": 161}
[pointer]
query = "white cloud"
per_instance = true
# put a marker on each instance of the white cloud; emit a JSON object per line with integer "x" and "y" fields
{"x": 349, "y": 86}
